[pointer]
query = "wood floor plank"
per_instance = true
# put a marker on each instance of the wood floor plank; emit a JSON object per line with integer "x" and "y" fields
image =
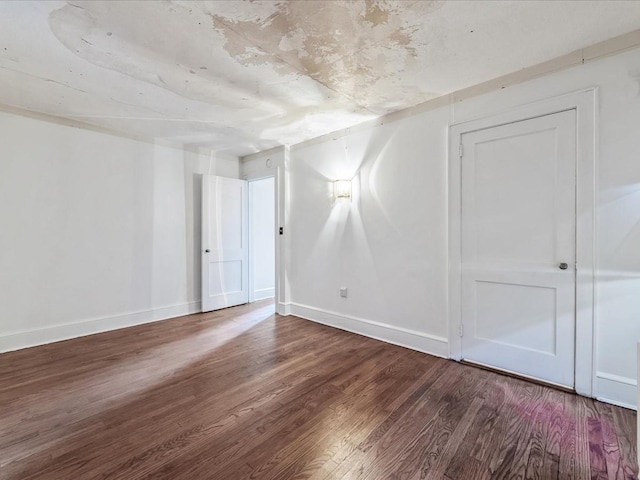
{"x": 442, "y": 461}
{"x": 597, "y": 456}
{"x": 624, "y": 427}
{"x": 348, "y": 445}
{"x": 516, "y": 443}
{"x": 289, "y": 409}
{"x": 406, "y": 444}
{"x": 583, "y": 460}
{"x": 489, "y": 427}
{"x": 567, "y": 467}
{"x": 367, "y": 406}
{"x": 556, "y": 423}
{"x": 243, "y": 393}
{"x": 142, "y": 427}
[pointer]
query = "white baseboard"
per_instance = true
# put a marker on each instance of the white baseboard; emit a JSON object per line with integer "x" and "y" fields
{"x": 403, "y": 337}
{"x": 263, "y": 294}
{"x": 55, "y": 333}
{"x": 617, "y": 390}
{"x": 284, "y": 309}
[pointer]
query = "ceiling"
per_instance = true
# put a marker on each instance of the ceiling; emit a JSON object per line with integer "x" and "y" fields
{"x": 241, "y": 77}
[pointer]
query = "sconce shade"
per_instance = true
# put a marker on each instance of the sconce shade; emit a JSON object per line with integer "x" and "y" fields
{"x": 342, "y": 188}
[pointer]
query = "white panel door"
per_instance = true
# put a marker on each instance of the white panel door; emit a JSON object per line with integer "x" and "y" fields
{"x": 225, "y": 266}
{"x": 518, "y": 247}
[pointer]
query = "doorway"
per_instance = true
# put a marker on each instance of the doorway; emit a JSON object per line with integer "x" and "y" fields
{"x": 262, "y": 227}
{"x": 239, "y": 241}
{"x": 521, "y": 241}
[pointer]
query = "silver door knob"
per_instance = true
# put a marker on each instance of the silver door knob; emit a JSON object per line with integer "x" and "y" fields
{"x": 563, "y": 266}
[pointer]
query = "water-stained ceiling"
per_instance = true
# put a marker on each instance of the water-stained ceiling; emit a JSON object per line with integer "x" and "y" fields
{"x": 243, "y": 76}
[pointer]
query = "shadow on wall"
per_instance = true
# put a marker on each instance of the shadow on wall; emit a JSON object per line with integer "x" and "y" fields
{"x": 194, "y": 165}
{"x": 618, "y": 277}
{"x": 193, "y": 234}
{"x": 369, "y": 213}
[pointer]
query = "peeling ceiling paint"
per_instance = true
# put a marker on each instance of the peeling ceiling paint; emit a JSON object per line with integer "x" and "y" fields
{"x": 244, "y": 76}
{"x": 343, "y": 46}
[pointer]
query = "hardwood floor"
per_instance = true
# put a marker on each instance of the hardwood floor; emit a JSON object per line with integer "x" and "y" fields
{"x": 243, "y": 394}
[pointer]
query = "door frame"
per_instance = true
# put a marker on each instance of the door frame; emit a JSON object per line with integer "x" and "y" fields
{"x": 584, "y": 102}
{"x": 274, "y": 165}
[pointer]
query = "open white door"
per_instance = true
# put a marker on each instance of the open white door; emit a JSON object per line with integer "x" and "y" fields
{"x": 519, "y": 247}
{"x": 225, "y": 266}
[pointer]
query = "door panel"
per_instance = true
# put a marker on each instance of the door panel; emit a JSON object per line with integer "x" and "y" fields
{"x": 224, "y": 242}
{"x": 499, "y": 317}
{"x": 225, "y": 277}
{"x": 506, "y": 171}
{"x": 518, "y": 226}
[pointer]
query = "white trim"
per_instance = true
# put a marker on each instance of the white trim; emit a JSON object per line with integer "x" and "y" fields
{"x": 65, "y": 331}
{"x": 283, "y": 290}
{"x": 403, "y": 337}
{"x": 616, "y": 403}
{"x": 284, "y": 309}
{"x": 73, "y": 123}
{"x": 275, "y": 165}
{"x": 263, "y": 153}
{"x": 513, "y": 373}
{"x": 617, "y": 378}
{"x": 585, "y": 104}
{"x": 262, "y": 294}
{"x": 617, "y": 390}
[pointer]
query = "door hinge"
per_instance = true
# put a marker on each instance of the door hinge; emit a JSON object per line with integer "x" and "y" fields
{"x": 461, "y": 330}
{"x": 460, "y": 150}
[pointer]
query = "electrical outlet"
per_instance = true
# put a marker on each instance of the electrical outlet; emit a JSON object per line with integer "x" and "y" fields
{"x": 343, "y": 292}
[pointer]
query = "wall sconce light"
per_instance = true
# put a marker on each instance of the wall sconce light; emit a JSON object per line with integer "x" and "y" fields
{"x": 342, "y": 188}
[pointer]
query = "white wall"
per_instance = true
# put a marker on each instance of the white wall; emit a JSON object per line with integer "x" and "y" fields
{"x": 97, "y": 231}
{"x": 389, "y": 245}
{"x": 262, "y": 238}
